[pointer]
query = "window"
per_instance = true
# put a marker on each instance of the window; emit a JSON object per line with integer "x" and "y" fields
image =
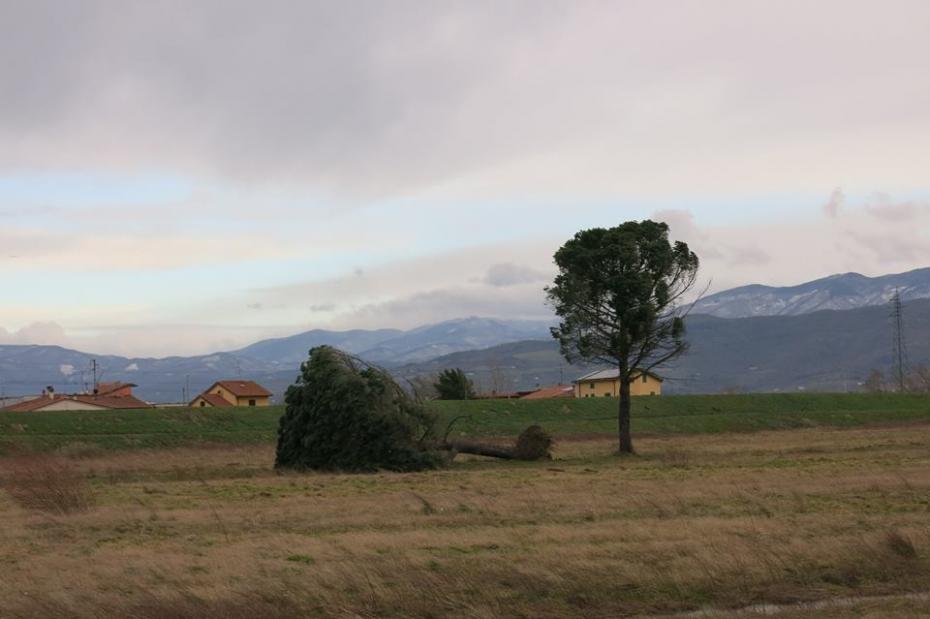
{"x": 202, "y": 403}
{"x": 590, "y": 385}
{"x": 645, "y": 378}
{"x": 652, "y": 393}
{"x": 606, "y": 395}
{"x": 251, "y": 402}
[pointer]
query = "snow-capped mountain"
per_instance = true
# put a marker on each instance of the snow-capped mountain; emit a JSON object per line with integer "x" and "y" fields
{"x": 837, "y": 292}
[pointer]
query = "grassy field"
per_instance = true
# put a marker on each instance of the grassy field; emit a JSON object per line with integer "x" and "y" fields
{"x": 651, "y": 416}
{"x": 709, "y": 523}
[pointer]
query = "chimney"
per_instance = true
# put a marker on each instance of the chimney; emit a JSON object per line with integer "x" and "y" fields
{"x": 50, "y": 392}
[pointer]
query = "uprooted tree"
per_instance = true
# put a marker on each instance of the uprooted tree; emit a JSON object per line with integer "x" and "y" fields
{"x": 618, "y": 294}
{"x": 346, "y": 415}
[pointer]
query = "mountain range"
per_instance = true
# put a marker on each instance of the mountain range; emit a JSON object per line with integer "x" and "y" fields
{"x": 837, "y": 292}
{"x": 391, "y": 347}
{"x": 825, "y": 334}
{"x": 828, "y": 350}
{"x": 273, "y": 362}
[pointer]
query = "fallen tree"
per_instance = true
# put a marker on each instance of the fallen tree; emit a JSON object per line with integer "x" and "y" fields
{"x": 343, "y": 414}
{"x": 534, "y": 443}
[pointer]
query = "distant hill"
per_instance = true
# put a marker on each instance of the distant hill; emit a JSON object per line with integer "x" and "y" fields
{"x": 392, "y": 347}
{"x": 273, "y": 362}
{"x": 822, "y": 351}
{"x": 837, "y": 292}
{"x": 292, "y": 350}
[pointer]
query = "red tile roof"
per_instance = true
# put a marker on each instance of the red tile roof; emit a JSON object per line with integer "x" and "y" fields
{"x": 115, "y": 402}
{"x": 112, "y": 402}
{"x": 30, "y": 405}
{"x": 559, "y": 391}
{"x": 212, "y": 399}
{"x": 107, "y": 388}
{"x": 243, "y": 388}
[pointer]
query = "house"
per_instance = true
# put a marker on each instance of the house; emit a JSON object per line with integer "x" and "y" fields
{"x": 233, "y": 393}
{"x": 107, "y": 396}
{"x": 607, "y": 383}
{"x": 558, "y": 391}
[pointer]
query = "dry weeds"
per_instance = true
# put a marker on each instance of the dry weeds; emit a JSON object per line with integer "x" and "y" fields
{"x": 782, "y": 517}
{"x": 45, "y": 483}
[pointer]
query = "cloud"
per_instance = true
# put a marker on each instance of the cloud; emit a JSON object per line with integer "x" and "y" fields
{"x": 435, "y": 305}
{"x": 326, "y": 162}
{"x": 508, "y": 274}
{"x": 748, "y": 256}
{"x": 681, "y": 223}
{"x": 98, "y": 250}
{"x": 833, "y": 206}
{"x": 573, "y": 99}
{"x": 883, "y": 206}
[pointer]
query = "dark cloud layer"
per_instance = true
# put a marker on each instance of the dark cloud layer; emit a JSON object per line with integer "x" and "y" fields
{"x": 374, "y": 98}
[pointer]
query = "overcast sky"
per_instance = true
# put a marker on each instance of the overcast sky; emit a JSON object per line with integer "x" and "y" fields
{"x": 184, "y": 177}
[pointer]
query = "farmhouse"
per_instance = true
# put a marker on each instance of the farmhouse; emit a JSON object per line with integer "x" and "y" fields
{"x": 607, "y": 383}
{"x": 233, "y": 393}
{"x": 112, "y": 396}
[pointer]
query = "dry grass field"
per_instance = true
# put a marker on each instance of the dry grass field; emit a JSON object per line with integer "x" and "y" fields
{"x": 695, "y": 526}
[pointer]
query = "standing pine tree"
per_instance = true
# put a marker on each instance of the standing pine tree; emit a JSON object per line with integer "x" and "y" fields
{"x": 618, "y": 295}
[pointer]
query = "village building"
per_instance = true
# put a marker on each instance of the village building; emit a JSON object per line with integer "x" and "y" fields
{"x": 107, "y": 396}
{"x": 233, "y": 393}
{"x": 606, "y": 383}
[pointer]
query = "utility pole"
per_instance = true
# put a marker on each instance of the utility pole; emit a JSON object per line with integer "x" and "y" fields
{"x": 93, "y": 365}
{"x": 899, "y": 349}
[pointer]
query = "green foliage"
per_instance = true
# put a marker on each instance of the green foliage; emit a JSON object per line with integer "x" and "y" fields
{"x": 342, "y": 415}
{"x": 617, "y": 293}
{"x": 452, "y": 384}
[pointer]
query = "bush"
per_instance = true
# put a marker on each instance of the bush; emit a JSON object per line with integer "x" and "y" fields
{"x": 46, "y": 483}
{"x": 346, "y": 415}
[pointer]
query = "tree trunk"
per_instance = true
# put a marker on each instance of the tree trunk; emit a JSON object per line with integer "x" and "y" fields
{"x": 478, "y": 449}
{"x": 623, "y": 414}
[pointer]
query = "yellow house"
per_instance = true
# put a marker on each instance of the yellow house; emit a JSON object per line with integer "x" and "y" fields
{"x": 606, "y": 383}
{"x": 233, "y": 393}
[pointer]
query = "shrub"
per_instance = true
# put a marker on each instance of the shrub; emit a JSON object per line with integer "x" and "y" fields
{"x": 47, "y": 483}
{"x": 343, "y": 414}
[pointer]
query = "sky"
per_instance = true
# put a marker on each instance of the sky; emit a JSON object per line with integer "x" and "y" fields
{"x": 185, "y": 177}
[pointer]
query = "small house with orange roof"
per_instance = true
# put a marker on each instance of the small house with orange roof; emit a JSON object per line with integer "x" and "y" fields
{"x": 233, "y": 393}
